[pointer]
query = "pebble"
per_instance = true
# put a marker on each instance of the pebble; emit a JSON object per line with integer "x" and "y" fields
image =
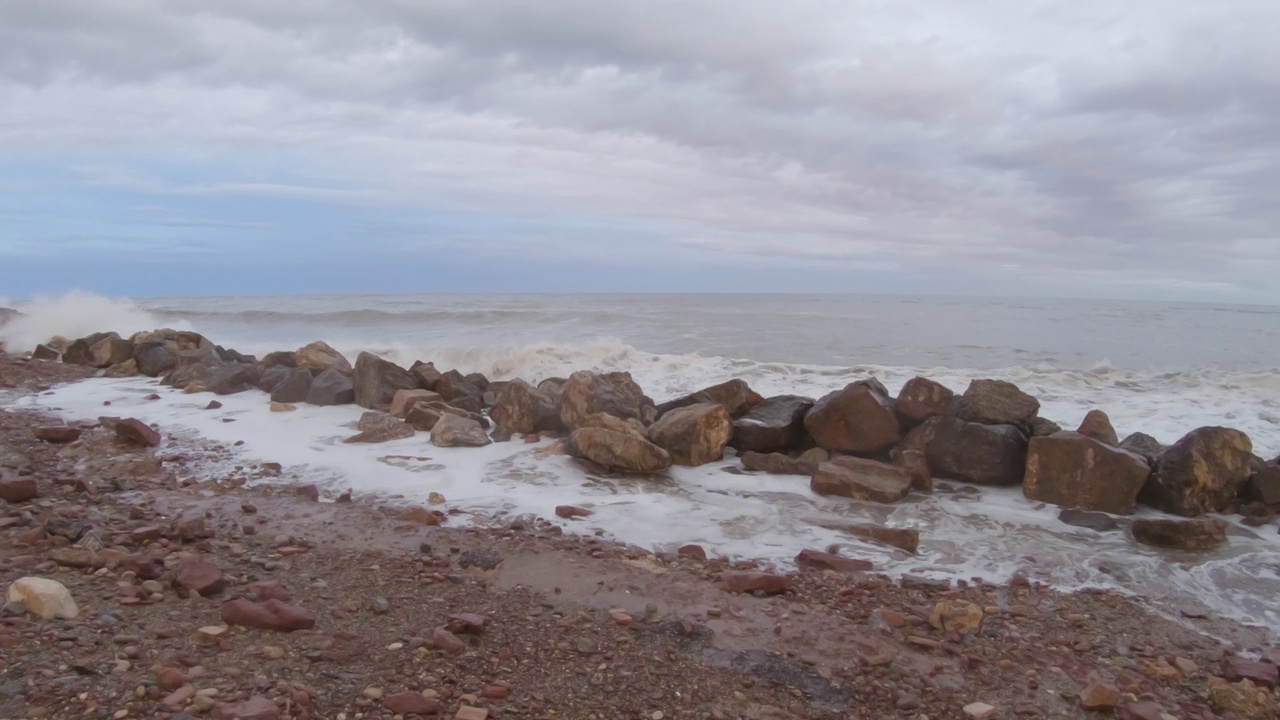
{"x": 373, "y": 693}
{"x": 979, "y": 711}
{"x": 272, "y": 652}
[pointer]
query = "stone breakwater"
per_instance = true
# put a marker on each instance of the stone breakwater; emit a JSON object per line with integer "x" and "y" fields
{"x": 857, "y": 441}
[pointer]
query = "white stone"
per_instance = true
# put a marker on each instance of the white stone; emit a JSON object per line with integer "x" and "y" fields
{"x": 44, "y": 597}
{"x": 979, "y": 711}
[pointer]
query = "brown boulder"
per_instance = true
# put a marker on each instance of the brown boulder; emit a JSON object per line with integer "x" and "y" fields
{"x": 318, "y": 357}
{"x": 1200, "y": 534}
{"x": 694, "y": 434}
{"x": 921, "y": 398}
{"x": 155, "y": 358}
{"x": 1200, "y": 473}
{"x": 269, "y": 615}
{"x": 444, "y": 640}
{"x": 426, "y": 373}
{"x": 1044, "y": 427}
{"x": 424, "y": 415}
{"x": 615, "y": 449}
{"x": 1144, "y": 445}
{"x": 818, "y": 560}
{"x": 376, "y": 381}
{"x": 331, "y": 387}
{"x": 1098, "y": 426}
{"x": 200, "y": 576}
{"x": 1075, "y": 471}
{"x": 461, "y": 391}
{"x": 916, "y": 464}
{"x": 568, "y": 512}
{"x": 553, "y": 388}
{"x": 588, "y": 393}
{"x": 295, "y": 387}
{"x": 774, "y": 424}
{"x": 522, "y": 408}
{"x": 128, "y": 368}
{"x": 1263, "y": 486}
{"x": 16, "y": 490}
{"x": 1243, "y": 700}
{"x": 58, "y": 434}
{"x": 457, "y": 431}
{"x": 858, "y": 418}
{"x": 750, "y": 581}
{"x": 861, "y": 479}
{"x": 404, "y": 400}
{"x": 735, "y": 395}
{"x": 781, "y": 464}
{"x": 109, "y": 349}
{"x": 376, "y": 427}
{"x": 905, "y": 539}
{"x": 960, "y": 616}
{"x": 1100, "y": 696}
{"x": 971, "y": 452}
{"x": 411, "y": 703}
{"x": 996, "y": 402}
{"x": 137, "y": 432}
{"x": 1259, "y": 672}
{"x": 44, "y": 352}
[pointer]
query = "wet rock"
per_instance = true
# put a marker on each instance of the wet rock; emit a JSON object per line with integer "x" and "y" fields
{"x": 1244, "y": 699}
{"x": 568, "y": 512}
{"x": 916, "y": 464}
{"x": 155, "y": 358}
{"x": 553, "y": 388}
{"x": 694, "y": 434}
{"x": 1199, "y": 534}
{"x": 1043, "y": 427}
{"x": 99, "y": 350}
{"x": 450, "y": 644}
{"x": 44, "y": 352}
{"x": 861, "y": 479}
{"x": 1100, "y": 522}
{"x": 1073, "y": 470}
{"x": 819, "y": 560}
{"x": 213, "y": 405}
{"x": 411, "y": 703}
{"x": 905, "y": 539}
{"x": 524, "y": 409}
{"x": 960, "y": 616}
{"x": 1098, "y": 426}
{"x": 1144, "y": 445}
{"x": 200, "y": 576}
{"x": 456, "y": 431}
{"x": 858, "y": 419}
{"x": 1100, "y": 696}
{"x": 424, "y": 415}
{"x": 255, "y": 708}
{"x": 272, "y": 377}
{"x": 921, "y": 398}
{"x": 751, "y": 581}
{"x": 461, "y": 391}
{"x": 695, "y": 552}
{"x": 996, "y": 402}
{"x": 774, "y": 424}
{"x": 269, "y": 615}
{"x": 616, "y": 449}
{"x": 971, "y": 452}
{"x": 294, "y": 388}
{"x": 404, "y": 400}
{"x": 136, "y": 432}
{"x": 331, "y": 387}
{"x": 377, "y": 427}
{"x": 617, "y": 394}
{"x": 44, "y": 598}
{"x": 319, "y": 357}
{"x": 16, "y": 490}
{"x": 376, "y": 381}
{"x": 1263, "y": 486}
{"x": 782, "y": 464}
{"x": 279, "y": 407}
{"x": 1260, "y": 673}
{"x": 422, "y": 516}
{"x": 426, "y": 373}
{"x": 734, "y": 395}
{"x": 1200, "y": 473}
{"x": 128, "y": 368}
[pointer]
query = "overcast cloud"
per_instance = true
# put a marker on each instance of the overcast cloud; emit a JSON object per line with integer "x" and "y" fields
{"x": 1008, "y": 146}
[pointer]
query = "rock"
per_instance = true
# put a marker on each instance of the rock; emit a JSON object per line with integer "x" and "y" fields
{"x": 281, "y": 359}
{"x": 617, "y": 450}
{"x": 1244, "y": 699}
{"x": 1263, "y": 486}
{"x": 422, "y": 516}
{"x": 906, "y": 539}
{"x": 16, "y": 490}
{"x": 979, "y": 711}
{"x": 693, "y": 434}
{"x": 616, "y": 394}
{"x": 749, "y": 581}
{"x": 411, "y": 703}
{"x": 1097, "y": 425}
{"x": 1200, "y": 473}
{"x": 915, "y": 464}
{"x": 523, "y": 409}
{"x": 264, "y": 590}
{"x": 1200, "y": 534}
{"x": 426, "y": 373}
{"x": 376, "y": 427}
{"x": 319, "y": 357}
{"x": 467, "y": 712}
{"x": 971, "y": 452}
{"x": 331, "y": 387}
{"x": 775, "y": 424}
{"x": 735, "y": 396}
{"x": 272, "y": 377}
{"x": 279, "y": 407}
{"x": 861, "y": 479}
{"x": 1100, "y": 696}
{"x": 695, "y": 552}
{"x": 404, "y": 400}
{"x": 294, "y": 388}
{"x": 376, "y": 381}
{"x": 255, "y": 708}
{"x": 1260, "y": 673}
{"x": 1143, "y": 710}
{"x": 200, "y": 576}
{"x": 1091, "y": 520}
{"x": 553, "y": 388}
{"x": 921, "y": 398}
{"x": 1073, "y": 470}
{"x": 459, "y": 391}
{"x": 819, "y": 560}
{"x": 456, "y": 431}
{"x": 128, "y": 368}
{"x": 155, "y": 358}
{"x": 213, "y": 405}
{"x": 467, "y": 624}
{"x": 137, "y": 432}
{"x": 269, "y": 615}
{"x": 781, "y": 464}
{"x": 1043, "y": 427}
{"x": 959, "y": 616}
{"x": 1144, "y": 445}
{"x": 442, "y": 639}
{"x": 858, "y": 419}
{"x": 996, "y": 402}
{"x": 44, "y": 352}
{"x": 568, "y": 512}
{"x": 171, "y": 678}
{"x": 99, "y": 350}
{"x": 425, "y": 415}
{"x": 43, "y": 597}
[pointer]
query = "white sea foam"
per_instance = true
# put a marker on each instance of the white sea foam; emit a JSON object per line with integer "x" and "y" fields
{"x": 73, "y": 315}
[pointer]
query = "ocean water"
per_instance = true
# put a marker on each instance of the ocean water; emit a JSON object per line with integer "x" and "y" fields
{"x": 1163, "y": 369}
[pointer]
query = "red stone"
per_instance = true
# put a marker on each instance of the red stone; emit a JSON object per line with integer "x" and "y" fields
{"x": 496, "y": 692}
{"x": 200, "y": 576}
{"x": 1100, "y": 696}
{"x": 466, "y": 623}
{"x": 1263, "y": 674}
{"x": 255, "y": 708}
{"x": 826, "y": 561}
{"x": 137, "y": 432}
{"x": 264, "y": 590}
{"x": 692, "y": 551}
{"x": 411, "y": 703}
{"x": 58, "y": 434}
{"x": 269, "y": 615}
{"x": 16, "y": 490}
{"x": 171, "y": 678}
{"x": 748, "y": 581}
{"x": 571, "y": 511}
{"x": 448, "y": 642}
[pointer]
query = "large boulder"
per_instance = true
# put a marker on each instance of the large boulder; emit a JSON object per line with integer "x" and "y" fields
{"x": 461, "y": 391}
{"x": 1199, "y": 534}
{"x": 996, "y": 402}
{"x": 376, "y": 381}
{"x": 457, "y": 431}
{"x": 522, "y": 408}
{"x": 553, "y": 388}
{"x": 921, "y": 398}
{"x": 404, "y": 400}
{"x": 735, "y": 395}
{"x": 775, "y": 424}
{"x": 1263, "y": 485}
{"x": 426, "y": 373}
{"x": 1098, "y": 426}
{"x": 376, "y": 427}
{"x": 100, "y": 350}
{"x": 616, "y": 445}
{"x": 294, "y": 388}
{"x": 318, "y": 357}
{"x": 1076, "y": 471}
{"x": 44, "y": 598}
{"x": 203, "y": 371}
{"x": 155, "y": 357}
{"x": 423, "y": 415}
{"x": 272, "y": 377}
{"x": 861, "y": 479}
{"x": 858, "y": 419}
{"x": 971, "y": 452}
{"x": 331, "y": 387}
{"x": 1144, "y": 445}
{"x": 587, "y": 393}
{"x": 806, "y": 463}
{"x": 1200, "y": 473}
{"x": 1044, "y": 427}
{"x": 694, "y": 434}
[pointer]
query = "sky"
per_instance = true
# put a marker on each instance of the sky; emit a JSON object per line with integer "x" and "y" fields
{"x": 1008, "y": 147}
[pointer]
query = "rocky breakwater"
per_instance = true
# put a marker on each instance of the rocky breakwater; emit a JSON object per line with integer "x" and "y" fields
{"x": 857, "y": 442}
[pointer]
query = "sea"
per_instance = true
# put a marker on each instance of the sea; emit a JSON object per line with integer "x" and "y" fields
{"x": 1159, "y": 368}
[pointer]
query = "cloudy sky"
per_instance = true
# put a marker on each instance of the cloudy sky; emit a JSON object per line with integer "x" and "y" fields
{"x": 1089, "y": 148}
